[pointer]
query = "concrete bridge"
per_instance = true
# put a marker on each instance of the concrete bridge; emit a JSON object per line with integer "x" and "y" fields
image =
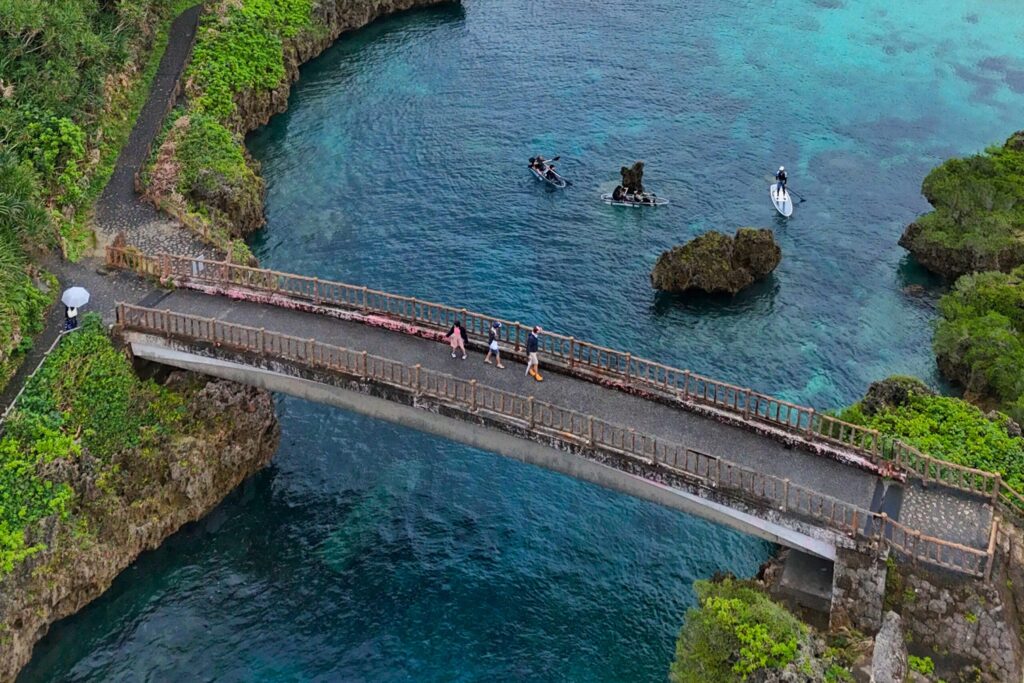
{"x": 767, "y": 467}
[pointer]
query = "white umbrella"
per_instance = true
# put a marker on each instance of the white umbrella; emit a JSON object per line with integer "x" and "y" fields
{"x": 75, "y": 297}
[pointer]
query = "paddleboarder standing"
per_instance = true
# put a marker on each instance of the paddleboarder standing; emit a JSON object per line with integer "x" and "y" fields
{"x": 781, "y": 177}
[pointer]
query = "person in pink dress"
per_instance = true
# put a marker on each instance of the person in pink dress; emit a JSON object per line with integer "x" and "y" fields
{"x": 457, "y": 338}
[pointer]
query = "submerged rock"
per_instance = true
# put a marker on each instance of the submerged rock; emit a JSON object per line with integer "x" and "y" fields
{"x": 717, "y": 263}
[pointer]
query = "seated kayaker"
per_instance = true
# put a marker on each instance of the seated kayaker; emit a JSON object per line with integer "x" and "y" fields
{"x": 550, "y": 173}
{"x": 618, "y": 194}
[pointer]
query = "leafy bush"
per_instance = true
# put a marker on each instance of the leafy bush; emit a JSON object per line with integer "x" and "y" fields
{"x": 979, "y": 339}
{"x": 734, "y": 632}
{"x": 951, "y": 429}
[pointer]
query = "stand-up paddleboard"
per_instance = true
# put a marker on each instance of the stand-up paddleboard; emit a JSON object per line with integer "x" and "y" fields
{"x": 783, "y": 204}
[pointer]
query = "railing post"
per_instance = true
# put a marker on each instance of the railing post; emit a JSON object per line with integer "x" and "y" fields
{"x": 363, "y": 307}
{"x": 572, "y": 352}
{"x": 165, "y": 266}
{"x": 419, "y": 391}
{"x": 590, "y": 431}
{"x": 997, "y": 482}
{"x": 686, "y": 383}
{"x": 810, "y": 422}
{"x": 785, "y": 495}
{"x": 854, "y": 524}
{"x": 876, "y": 446}
{"x": 415, "y": 303}
{"x": 991, "y": 555}
{"x": 883, "y": 525}
{"x": 529, "y": 410}
{"x": 746, "y": 406}
{"x": 629, "y": 359}
{"x": 262, "y": 343}
{"x": 309, "y": 350}
{"x": 472, "y": 395}
{"x": 654, "y": 451}
{"x": 316, "y": 291}
{"x": 518, "y": 327}
{"x": 366, "y": 372}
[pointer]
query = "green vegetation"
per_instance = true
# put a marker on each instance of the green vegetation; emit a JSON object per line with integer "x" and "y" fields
{"x": 922, "y": 665}
{"x": 943, "y": 427}
{"x": 70, "y": 90}
{"x": 239, "y": 49}
{"x": 734, "y": 632}
{"x": 199, "y": 171}
{"x": 84, "y": 403}
{"x": 978, "y": 221}
{"x": 979, "y": 340}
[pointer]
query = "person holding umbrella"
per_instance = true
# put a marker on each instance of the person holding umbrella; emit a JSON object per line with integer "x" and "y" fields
{"x": 73, "y": 299}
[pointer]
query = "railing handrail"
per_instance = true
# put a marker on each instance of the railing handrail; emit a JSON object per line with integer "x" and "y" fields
{"x": 571, "y": 425}
{"x": 748, "y": 405}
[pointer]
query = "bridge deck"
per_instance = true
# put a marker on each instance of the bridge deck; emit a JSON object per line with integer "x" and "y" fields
{"x": 672, "y": 424}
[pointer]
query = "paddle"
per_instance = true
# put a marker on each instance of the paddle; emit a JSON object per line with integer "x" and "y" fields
{"x": 772, "y": 179}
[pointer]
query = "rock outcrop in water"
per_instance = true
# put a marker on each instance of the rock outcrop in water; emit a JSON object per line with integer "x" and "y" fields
{"x": 633, "y": 177}
{"x": 978, "y": 220}
{"x": 159, "y": 491}
{"x": 716, "y": 263}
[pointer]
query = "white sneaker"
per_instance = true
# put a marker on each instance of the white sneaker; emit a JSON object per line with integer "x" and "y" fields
{"x": 453, "y": 354}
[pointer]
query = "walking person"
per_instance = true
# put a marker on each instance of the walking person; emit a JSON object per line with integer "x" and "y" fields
{"x": 457, "y": 338}
{"x": 532, "y": 347}
{"x": 70, "y": 318}
{"x": 492, "y": 345}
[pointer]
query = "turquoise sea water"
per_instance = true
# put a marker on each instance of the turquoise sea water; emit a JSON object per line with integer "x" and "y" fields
{"x": 373, "y": 553}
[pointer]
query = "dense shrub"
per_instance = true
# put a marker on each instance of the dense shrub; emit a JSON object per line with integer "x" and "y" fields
{"x": 979, "y": 340}
{"x": 735, "y": 631}
{"x": 85, "y": 400}
{"x": 951, "y": 429}
{"x": 240, "y": 49}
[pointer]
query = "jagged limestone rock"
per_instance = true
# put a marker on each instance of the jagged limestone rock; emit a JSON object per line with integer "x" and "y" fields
{"x": 889, "y": 661}
{"x": 717, "y": 263}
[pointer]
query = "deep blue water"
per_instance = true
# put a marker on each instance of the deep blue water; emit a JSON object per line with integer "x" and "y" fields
{"x": 369, "y": 552}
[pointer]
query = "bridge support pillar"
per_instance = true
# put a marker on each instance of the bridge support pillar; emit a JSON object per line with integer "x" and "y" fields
{"x": 858, "y": 589}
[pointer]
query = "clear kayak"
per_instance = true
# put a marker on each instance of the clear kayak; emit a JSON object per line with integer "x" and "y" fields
{"x": 557, "y": 180}
{"x": 646, "y": 200}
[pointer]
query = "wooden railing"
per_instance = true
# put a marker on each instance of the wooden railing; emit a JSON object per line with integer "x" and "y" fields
{"x": 729, "y": 479}
{"x": 579, "y": 357}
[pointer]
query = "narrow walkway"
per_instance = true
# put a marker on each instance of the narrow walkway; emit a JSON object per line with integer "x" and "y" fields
{"x": 119, "y": 209}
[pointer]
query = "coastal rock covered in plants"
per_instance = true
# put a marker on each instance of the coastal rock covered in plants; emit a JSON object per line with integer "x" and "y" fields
{"x": 130, "y": 502}
{"x": 716, "y": 263}
{"x": 978, "y": 220}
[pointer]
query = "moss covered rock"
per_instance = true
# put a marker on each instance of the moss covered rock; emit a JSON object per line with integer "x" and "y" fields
{"x": 978, "y": 221}
{"x": 716, "y": 263}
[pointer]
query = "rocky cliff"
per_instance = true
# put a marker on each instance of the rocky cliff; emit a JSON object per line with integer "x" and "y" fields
{"x": 716, "y": 263}
{"x": 155, "y": 492}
